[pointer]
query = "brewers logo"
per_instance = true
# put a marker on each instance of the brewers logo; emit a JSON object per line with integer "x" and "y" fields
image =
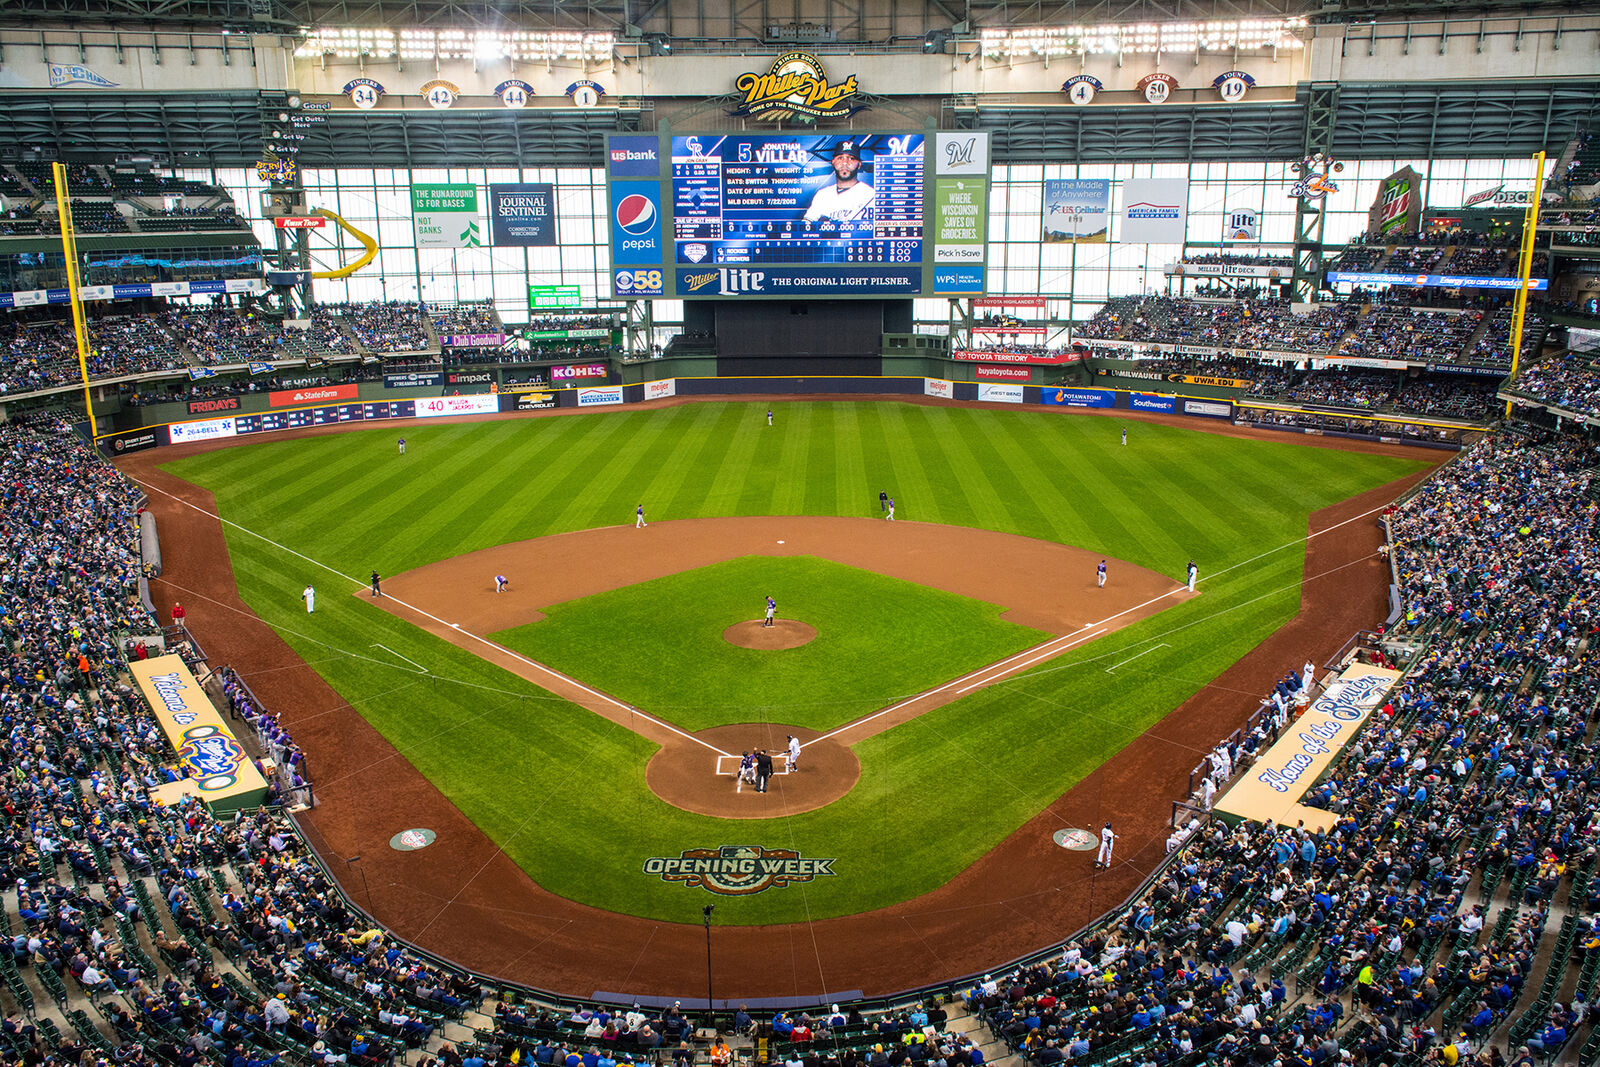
{"x": 737, "y": 870}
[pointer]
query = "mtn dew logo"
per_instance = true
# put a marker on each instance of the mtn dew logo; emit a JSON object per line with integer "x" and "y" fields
{"x": 446, "y": 216}
{"x": 737, "y": 870}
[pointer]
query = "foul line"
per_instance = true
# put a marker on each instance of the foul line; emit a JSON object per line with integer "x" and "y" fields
{"x": 1131, "y": 658}
{"x": 613, "y": 701}
{"x": 420, "y": 669}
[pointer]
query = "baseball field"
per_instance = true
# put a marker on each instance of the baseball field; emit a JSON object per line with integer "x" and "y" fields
{"x": 1001, "y": 517}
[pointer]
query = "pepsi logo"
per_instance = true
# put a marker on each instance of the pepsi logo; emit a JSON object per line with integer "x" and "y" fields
{"x": 636, "y": 214}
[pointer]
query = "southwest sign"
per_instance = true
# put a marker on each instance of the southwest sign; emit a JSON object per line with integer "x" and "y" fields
{"x": 737, "y": 870}
{"x": 796, "y": 86}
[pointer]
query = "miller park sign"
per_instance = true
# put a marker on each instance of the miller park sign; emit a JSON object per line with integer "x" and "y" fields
{"x": 737, "y": 870}
{"x": 795, "y": 87}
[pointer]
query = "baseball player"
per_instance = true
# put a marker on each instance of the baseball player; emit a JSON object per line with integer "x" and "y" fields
{"x": 1100, "y": 574}
{"x": 375, "y": 590}
{"x": 500, "y": 583}
{"x": 1124, "y": 435}
{"x": 747, "y": 771}
{"x": 1108, "y": 841}
{"x": 848, "y": 199}
{"x": 772, "y": 609}
{"x": 883, "y": 500}
{"x": 309, "y": 595}
{"x": 1194, "y": 573}
{"x": 639, "y": 522}
{"x": 891, "y": 509}
{"x": 769, "y": 416}
{"x": 794, "y": 755}
{"x": 402, "y": 446}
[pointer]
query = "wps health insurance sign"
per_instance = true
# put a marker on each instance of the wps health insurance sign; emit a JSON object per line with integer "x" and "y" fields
{"x": 446, "y": 216}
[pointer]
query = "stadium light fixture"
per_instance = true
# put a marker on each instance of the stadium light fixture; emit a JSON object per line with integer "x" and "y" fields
{"x": 1149, "y": 38}
{"x": 473, "y": 45}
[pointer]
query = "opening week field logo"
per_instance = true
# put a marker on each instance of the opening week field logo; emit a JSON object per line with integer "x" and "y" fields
{"x": 738, "y": 870}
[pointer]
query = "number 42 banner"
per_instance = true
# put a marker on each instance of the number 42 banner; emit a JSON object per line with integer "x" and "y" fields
{"x": 446, "y": 216}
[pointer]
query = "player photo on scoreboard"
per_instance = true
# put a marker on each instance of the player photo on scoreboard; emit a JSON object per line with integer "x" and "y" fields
{"x": 798, "y": 198}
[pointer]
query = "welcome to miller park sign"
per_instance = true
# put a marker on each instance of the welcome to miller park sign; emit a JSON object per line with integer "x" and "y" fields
{"x": 795, "y": 87}
{"x": 737, "y": 870}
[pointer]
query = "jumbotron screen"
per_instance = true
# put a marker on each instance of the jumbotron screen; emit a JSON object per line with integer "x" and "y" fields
{"x": 776, "y": 215}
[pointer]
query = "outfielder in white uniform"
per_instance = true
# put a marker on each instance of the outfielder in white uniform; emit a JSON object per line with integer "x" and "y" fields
{"x": 848, "y": 199}
{"x": 1108, "y": 841}
{"x": 1194, "y": 572}
{"x": 310, "y": 596}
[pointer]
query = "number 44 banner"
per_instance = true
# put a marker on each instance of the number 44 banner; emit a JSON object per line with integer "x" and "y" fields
{"x": 446, "y": 216}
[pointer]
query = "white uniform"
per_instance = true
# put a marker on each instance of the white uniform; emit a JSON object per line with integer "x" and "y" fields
{"x": 1194, "y": 572}
{"x": 794, "y": 754}
{"x": 1108, "y": 841}
{"x": 310, "y": 596}
{"x": 853, "y": 204}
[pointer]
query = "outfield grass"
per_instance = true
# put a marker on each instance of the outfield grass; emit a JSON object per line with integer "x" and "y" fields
{"x": 658, "y": 645}
{"x": 976, "y": 768}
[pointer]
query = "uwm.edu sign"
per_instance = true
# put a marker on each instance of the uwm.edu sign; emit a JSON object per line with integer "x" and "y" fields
{"x": 737, "y": 870}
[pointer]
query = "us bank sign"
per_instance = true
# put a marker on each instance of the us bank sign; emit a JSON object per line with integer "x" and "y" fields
{"x": 737, "y": 870}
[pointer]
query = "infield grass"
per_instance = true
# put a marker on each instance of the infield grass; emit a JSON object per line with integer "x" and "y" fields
{"x": 659, "y": 646}
{"x": 547, "y": 781}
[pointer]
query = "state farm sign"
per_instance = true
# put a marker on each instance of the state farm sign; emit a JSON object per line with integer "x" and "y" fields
{"x": 320, "y": 394}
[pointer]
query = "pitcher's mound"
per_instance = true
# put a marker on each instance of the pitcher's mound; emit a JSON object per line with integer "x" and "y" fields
{"x": 783, "y": 633}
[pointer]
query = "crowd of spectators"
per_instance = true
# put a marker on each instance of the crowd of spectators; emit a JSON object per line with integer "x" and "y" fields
{"x": 1567, "y": 380}
{"x": 1393, "y": 331}
{"x": 1241, "y": 259}
{"x": 468, "y": 319}
{"x": 1261, "y": 324}
{"x": 393, "y": 326}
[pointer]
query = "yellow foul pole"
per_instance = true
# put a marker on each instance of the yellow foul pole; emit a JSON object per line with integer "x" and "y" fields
{"x": 1519, "y": 306}
{"x": 69, "y": 249}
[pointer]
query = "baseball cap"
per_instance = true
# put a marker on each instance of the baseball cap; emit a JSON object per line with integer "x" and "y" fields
{"x": 847, "y": 148}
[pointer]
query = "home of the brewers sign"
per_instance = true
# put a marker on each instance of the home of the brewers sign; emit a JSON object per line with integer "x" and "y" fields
{"x": 795, "y": 87}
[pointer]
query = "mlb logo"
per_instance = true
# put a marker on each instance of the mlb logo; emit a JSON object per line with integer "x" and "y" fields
{"x": 695, "y": 252}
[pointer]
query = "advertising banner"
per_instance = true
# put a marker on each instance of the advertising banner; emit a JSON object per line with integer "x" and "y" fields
{"x": 636, "y": 223}
{"x": 534, "y": 401}
{"x": 1008, "y": 331}
{"x": 469, "y": 377}
{"x": 569, "y": 371}
{"x": 661, "y": 390}
{"x": 545, "y": 297}
{"x": 1036, "y": 302}
{"x": 438, "y": 407}
{"x": 1432, "y": 281}
{"x": 1004, "y": 374}
{"x": 1276, "y": 782}
{"x": 1154, "y": 211}
{"x": 523, "y": 214}
{"x": 958, "y": 281}
{"x": 1077, "y": 211}
{"x": 817, "y": 281}
{"x": 1203, "y": 379}
{"x": 1151, "y": 402}
{"x": 446, "y": 216}
{"x": 1079, "y": 398}
{"x": 568, "y": 335}
{"x": 960, "y": 219}
{"x": 1000, "y": 355}
{"x": 1211, "y": 409}
{"x": 1241, "y": 224}
{"x": 213, "y": 762}
{"x": 611, "y": 394}
{"x": 206, "y": 430}
{"x": 216, "y": 403}
{"x": 317, "y": 394}
{"x": 634, "y": 156}
{"x": 1228, "y": 270}
{"x": 133, "y": 441}
{"x": 413, "y": 380}
{"x": 939, "y": 387}
{"x": 1000, "y": 394}
{"x": 1398, "y": 206}
{"x": 473, "y": 340}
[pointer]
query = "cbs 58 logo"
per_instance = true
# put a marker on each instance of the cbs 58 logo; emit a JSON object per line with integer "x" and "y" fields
{"x": 638, "y": 283}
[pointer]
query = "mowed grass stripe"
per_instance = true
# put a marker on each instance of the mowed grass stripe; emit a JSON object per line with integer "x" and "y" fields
{"x": 547, "y": 780}
{"x": 681, "y": 461}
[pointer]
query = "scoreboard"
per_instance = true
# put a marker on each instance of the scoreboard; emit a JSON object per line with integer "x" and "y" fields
{"x": 780, "y": 215}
